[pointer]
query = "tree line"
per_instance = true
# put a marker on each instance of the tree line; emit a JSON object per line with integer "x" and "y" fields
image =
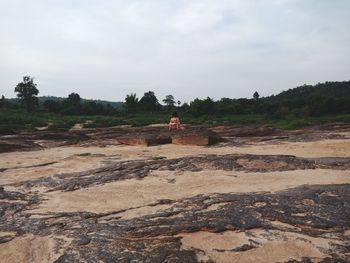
{"x": 306, "y": 100}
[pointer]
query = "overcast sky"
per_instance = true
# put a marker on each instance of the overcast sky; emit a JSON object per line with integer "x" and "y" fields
{"x": 188, "y": 48}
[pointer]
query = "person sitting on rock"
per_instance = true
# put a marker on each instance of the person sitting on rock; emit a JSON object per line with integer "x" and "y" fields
{"x": 174, "y": 123}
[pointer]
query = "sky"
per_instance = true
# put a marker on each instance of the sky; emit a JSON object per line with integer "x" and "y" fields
{"x": 188, "y": 48}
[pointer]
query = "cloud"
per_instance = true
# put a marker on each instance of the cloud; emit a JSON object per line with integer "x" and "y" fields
{"x": 194, "y": 48}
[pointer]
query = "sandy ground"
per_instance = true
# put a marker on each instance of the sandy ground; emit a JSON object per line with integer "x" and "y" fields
{"x": 286, "y": 246}
{"x": 32, "y": 248}
{"x": 135, "y": 198}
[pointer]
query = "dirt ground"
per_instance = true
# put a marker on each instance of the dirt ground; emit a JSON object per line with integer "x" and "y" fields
{"x": 161, "y": 203}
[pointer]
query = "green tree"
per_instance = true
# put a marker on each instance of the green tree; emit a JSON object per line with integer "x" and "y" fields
{"x": 72, "y": 105}
{"x": 131, "y": 102}
{"x": 282, "y": 112}
{"x": 52, "y": 106}
{"x": 185, "y": 107}
{"x": 202, "y": 107}
{"x": 74, "y": 99}
{"x": 27, "y": 93}
{"x": 2, "y": 101}
{"x": 169, "y": 101}
{"x": 149, "y": 102}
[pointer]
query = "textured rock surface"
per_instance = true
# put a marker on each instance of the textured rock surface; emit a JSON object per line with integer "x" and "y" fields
{"x": 144, "y": 140}
{"x": 317, "y": 211}
{"x": 154, "y": 135}
{"x": 132, "y": 204}
{"x": 12, "y": 145}
{"x": 192, "y": 139}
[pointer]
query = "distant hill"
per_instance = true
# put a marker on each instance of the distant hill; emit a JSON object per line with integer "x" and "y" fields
{"x": 316, "y": 100}
{"x": 328, "y": 89}
{"x": 42, "y": 99}
{"x": 114, "y": 104}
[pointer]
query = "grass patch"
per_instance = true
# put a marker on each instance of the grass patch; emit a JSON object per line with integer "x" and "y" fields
{"x": 20, "y": 120}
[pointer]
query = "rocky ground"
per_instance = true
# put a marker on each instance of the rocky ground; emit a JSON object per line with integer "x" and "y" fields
{"x": 203, "y": 194}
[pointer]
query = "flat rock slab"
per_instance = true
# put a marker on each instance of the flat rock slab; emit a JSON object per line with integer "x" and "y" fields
{"x": 144, "y": 140}
{"x": 181, "y": 139}
{"x": 192, "y": 139}
{"x": 302, "y": 222}
{"x": 163, "y": 136}
{"x": 247, "y": 130}
{"x": 11, "y": 145}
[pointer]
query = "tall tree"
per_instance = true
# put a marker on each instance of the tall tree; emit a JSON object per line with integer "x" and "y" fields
{"x": 72, "y": 105}
{"x": 51, "y": 105}
{"x": 149, "y": 102}
{"x": 202, "y": 107}
{"x": 74, "y": 99}
{"x": 2, "y": 101}
{"x": 169, "y": 101}
{"x": 27, "y": 93}
{"x": 131, "y": 102}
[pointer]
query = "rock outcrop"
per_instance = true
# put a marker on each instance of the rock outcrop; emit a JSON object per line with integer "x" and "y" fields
{"x": 136, "y": 204}
{"x": 14, "y": 144}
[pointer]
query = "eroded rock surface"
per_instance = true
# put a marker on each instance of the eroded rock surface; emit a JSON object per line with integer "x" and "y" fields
{"x": 296, "y": 215}
{"x": 234, "y": 135}
{"x": 13, "y": 144}
{"x": 139, "y": 169}
{"x": 140, "y": 206}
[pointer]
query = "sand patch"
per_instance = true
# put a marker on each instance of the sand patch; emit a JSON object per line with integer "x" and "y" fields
{"x": 135, "y": 193}
{"x": 7, "y": 233}
{"x": 347, "y": 233}
{"x": 256, "y": 245}
{"x": 30, "y": 249}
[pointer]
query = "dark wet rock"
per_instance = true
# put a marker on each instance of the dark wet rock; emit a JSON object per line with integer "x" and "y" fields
{"x": 197, "y": 139}
{"x": 28, "y": 141}
{"x": 246, "y": 130}
{"x": 145, "y": 140}
{"x": 154, "y": 238}
{"x": 245, "y": 247}
{"x": 58, "y": 136}
{"x": 240, "y": 135}
{"x": 333, "y": 126}
{"x": 13, "y": 145}
{"x": 5, "y": 239}
{"x": 83, "y": 241}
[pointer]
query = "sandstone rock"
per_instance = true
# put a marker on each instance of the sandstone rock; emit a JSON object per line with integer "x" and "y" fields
{"x": 191, "y": 139}
{"x": 144, "y": 140}
{"x": 150, "y": 136}
{"x": 246, "y": 130}
{"x": 241, "y": 222}
{"x": 59, "y": 136}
